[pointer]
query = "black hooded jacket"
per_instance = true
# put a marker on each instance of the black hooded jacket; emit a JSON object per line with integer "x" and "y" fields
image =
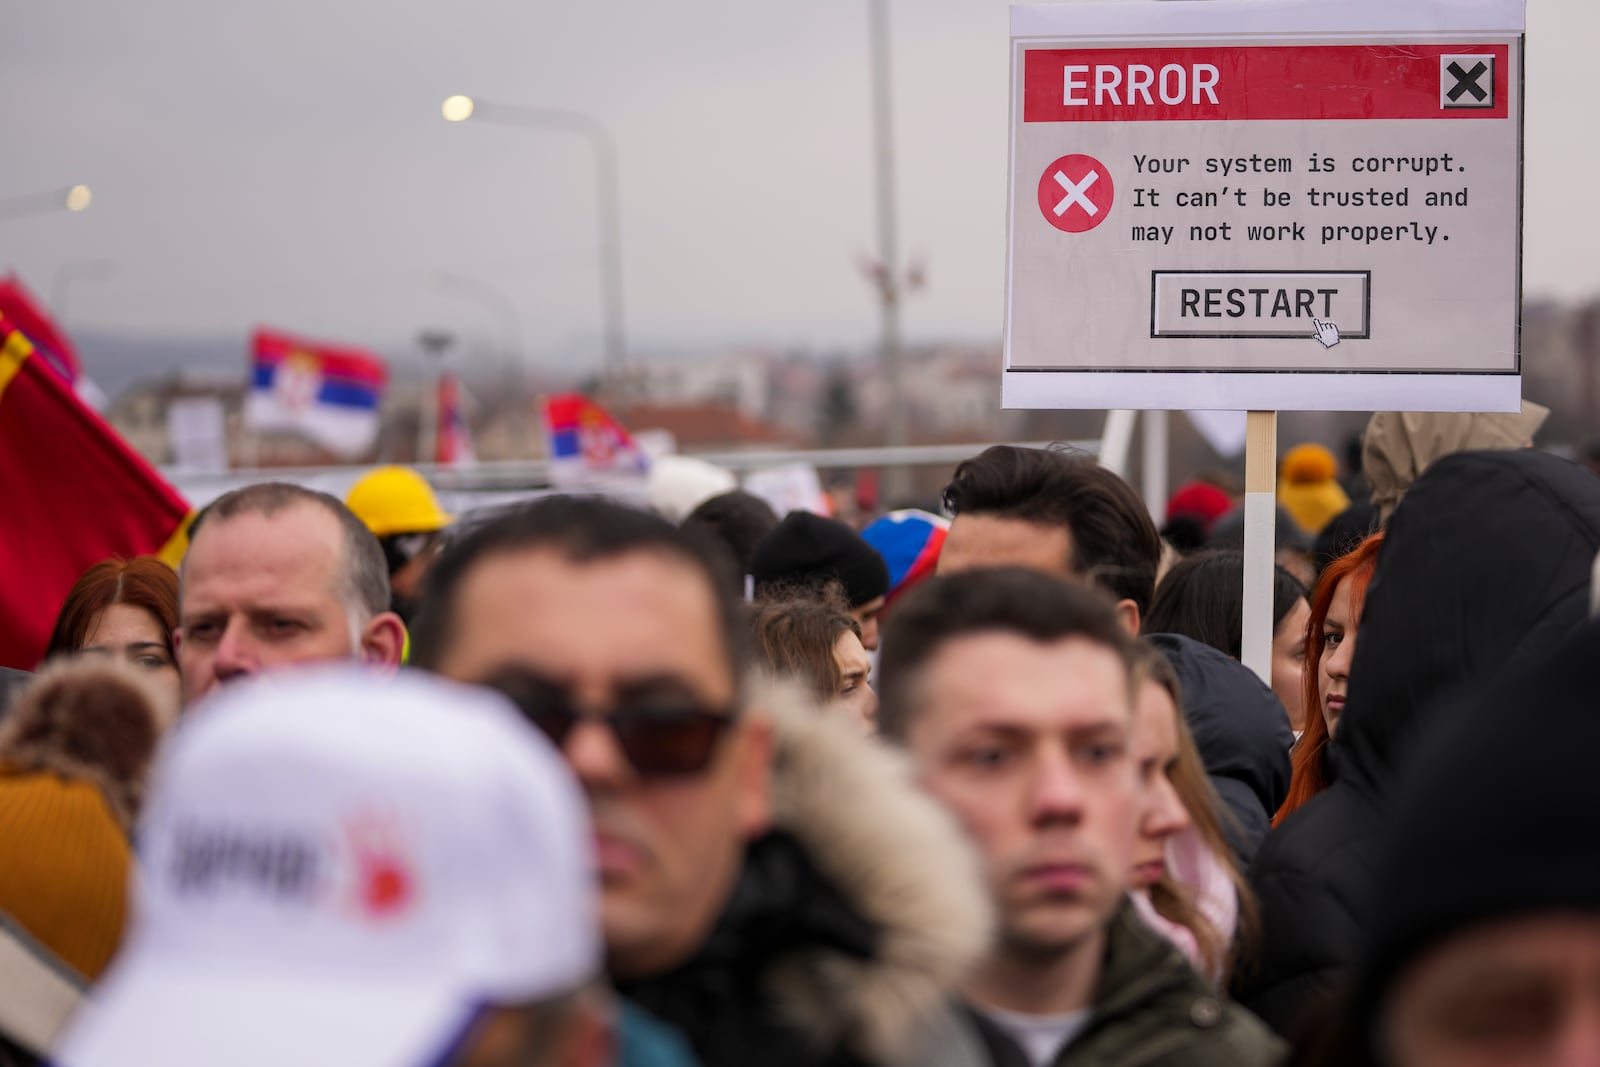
{"x": 1485, "y": 566}
{"x": 1242, "y": 732}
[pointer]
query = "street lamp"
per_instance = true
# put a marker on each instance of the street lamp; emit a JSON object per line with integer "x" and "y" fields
{"x": 434, "y": 343}
{"x": 76, "y": 198}
{"x": 897, "y": 482}
{"x": 500, "y": 306}
{"x": 462, "y": 108}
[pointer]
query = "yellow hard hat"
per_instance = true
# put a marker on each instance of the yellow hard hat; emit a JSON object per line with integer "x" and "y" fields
{"x": 396, "y": 500}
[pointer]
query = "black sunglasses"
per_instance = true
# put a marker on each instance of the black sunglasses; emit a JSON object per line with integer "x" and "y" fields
{"x": 660, "y": 731}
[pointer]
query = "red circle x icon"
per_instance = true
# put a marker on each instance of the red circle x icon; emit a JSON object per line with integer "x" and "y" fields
{"x": 1075, "y": 193}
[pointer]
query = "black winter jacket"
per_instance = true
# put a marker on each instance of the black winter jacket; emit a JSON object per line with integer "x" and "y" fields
{"x": 1486, "y": 564}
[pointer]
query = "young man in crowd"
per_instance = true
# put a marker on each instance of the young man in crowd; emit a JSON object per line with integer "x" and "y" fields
{"x": 277, "y": 575}
{"x": 744, "y": 898}
{"x": 1057, "y": 512}
{"x": 1013, "y": 696}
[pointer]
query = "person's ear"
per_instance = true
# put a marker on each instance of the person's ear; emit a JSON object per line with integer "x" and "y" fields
{"x": 1128, "y": 616}
{"x": 383, "y": 640}
{"x": 753, "y": 787}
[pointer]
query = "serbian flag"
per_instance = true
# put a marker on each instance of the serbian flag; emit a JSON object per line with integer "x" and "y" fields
{"x": 587, "y": 446}
{"x": 909, "y": 542}
{"x": 73, "y": 494}
{"x": 325, "y": 392}
{"x": 26, "y": 315}
{"x": 455, "y": 439}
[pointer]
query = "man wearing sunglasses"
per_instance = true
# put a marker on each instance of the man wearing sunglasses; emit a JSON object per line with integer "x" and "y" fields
{"x": 741, "y": 845}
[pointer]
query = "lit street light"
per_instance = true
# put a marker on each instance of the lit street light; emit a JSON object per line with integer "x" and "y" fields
{"x": 77, "y": 198}
{"x": 462, "y": 108}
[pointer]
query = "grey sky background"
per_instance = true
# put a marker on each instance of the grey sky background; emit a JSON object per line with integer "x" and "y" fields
{"x": 286, "y": 163}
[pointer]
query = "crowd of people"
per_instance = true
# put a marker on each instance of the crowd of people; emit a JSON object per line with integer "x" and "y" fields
{"x": 575, "y": 784}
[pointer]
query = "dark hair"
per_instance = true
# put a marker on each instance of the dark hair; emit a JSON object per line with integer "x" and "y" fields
{"x": 736, "y": 520}
{"x": 1203, "y": 597}
{"x": 142, "y": 582}
{"x": 1004, "y": 599}
{"x": 795, "y": 638}
{"x": 1114, "y": 541}
{"x": 366, "y": 572}
{"x": 582, "y": 530}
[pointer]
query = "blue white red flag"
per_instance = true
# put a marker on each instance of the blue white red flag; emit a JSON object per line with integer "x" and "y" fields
{"x": 326, "y": 392}
{"x": 909, "y": 542}
{"x": 587, "y": 446}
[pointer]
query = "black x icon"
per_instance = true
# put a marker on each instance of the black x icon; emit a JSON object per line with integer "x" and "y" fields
{"x": 1467, "y": 81}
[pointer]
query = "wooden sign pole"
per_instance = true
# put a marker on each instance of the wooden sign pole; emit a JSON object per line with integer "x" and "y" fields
{"x": 1260, "y": 514}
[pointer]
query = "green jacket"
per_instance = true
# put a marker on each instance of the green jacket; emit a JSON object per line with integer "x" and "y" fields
{"x": 1151, "y": 1010}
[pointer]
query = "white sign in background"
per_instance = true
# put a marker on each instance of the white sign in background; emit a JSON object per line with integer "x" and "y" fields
{"x": 1189, "y": 229}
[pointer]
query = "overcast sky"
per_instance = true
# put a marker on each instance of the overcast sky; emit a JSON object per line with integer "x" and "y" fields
{"x": 286, "y": 163}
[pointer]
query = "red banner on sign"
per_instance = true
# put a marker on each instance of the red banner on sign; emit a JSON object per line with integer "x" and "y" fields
{"x": 1410, "y": 81}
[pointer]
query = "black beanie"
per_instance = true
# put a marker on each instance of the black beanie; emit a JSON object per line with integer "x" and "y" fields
{"x": 1497, "y": 819}
{"x": 806, "y": 549}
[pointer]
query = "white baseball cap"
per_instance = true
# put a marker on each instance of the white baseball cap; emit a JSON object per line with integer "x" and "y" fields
{"x": 344, "y": 868}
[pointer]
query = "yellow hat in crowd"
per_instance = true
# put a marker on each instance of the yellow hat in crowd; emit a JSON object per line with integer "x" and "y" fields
{"x": 396, "y": 500}
{"x": 1308, "y": 489}
{"x": 65, "y": 876}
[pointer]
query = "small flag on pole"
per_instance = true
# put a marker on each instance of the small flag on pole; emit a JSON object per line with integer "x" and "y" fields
{"x": 587, "y": 446}
{"x": 328, "y": 393}
{"x": 455, "y": 437}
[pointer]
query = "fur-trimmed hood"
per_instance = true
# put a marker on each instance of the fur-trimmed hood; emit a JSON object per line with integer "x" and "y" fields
{"x": 854, "y": 922}
{"x": 95, "y": 720}
{"x": 899, "y": 860}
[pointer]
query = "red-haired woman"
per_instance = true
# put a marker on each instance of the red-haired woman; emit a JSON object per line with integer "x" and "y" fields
{"x": 126, "y": 608}
{"x": 1330, "y": 646}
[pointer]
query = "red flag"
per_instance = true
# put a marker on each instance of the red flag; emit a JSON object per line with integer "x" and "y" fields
{"x": 18, "y": 307}
{"x": 72, "y": 492}
{"x": 455, "y": 438}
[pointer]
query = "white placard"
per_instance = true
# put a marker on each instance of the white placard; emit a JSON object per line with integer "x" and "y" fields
{"x": 1269, "y": 206}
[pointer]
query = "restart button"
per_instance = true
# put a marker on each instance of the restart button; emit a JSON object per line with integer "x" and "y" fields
{"x": 1259, "y": 303}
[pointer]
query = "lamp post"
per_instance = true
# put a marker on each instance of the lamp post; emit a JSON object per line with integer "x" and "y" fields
{"x": 434, "y": 343}
{"x": 77, "y": 198}
{"x": 897, "y": 481}
{"x": 503, "y": 308}
{"x": 500, "y": 307}
{"x": 608, "y": 202}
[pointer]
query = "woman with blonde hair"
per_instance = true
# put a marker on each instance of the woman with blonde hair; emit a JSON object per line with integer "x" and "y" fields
{"x": 1184, "y": 879}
